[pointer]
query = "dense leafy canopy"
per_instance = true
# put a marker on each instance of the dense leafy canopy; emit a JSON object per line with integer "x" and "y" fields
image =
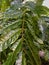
{"x": 20, "y": 32}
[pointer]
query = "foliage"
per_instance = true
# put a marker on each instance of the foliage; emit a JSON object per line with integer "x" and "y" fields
{"x": 20, "y": 32}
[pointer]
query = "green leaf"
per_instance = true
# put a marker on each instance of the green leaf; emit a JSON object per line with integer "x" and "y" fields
{"x": 10, "y": 40}
{"x": 33, "y": 49}
{"x": 5, "y": 4}
{"x": 33, "y": 33}
{"x": 10, "y": 27}
{"x": 20, "y": 32}
{"x": 39, "y": 2}
{"x": 12, "y": 57}
{"x": 46, "y": 57}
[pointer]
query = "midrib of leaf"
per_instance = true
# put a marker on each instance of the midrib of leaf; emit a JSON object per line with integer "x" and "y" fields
{"x": 23, "y": 55}
{"x": 22, "y": 39}
{"x": 23, "y": 22}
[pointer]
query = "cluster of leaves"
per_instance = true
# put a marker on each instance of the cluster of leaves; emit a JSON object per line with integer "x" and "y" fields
{"x": 20, "y": 32}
